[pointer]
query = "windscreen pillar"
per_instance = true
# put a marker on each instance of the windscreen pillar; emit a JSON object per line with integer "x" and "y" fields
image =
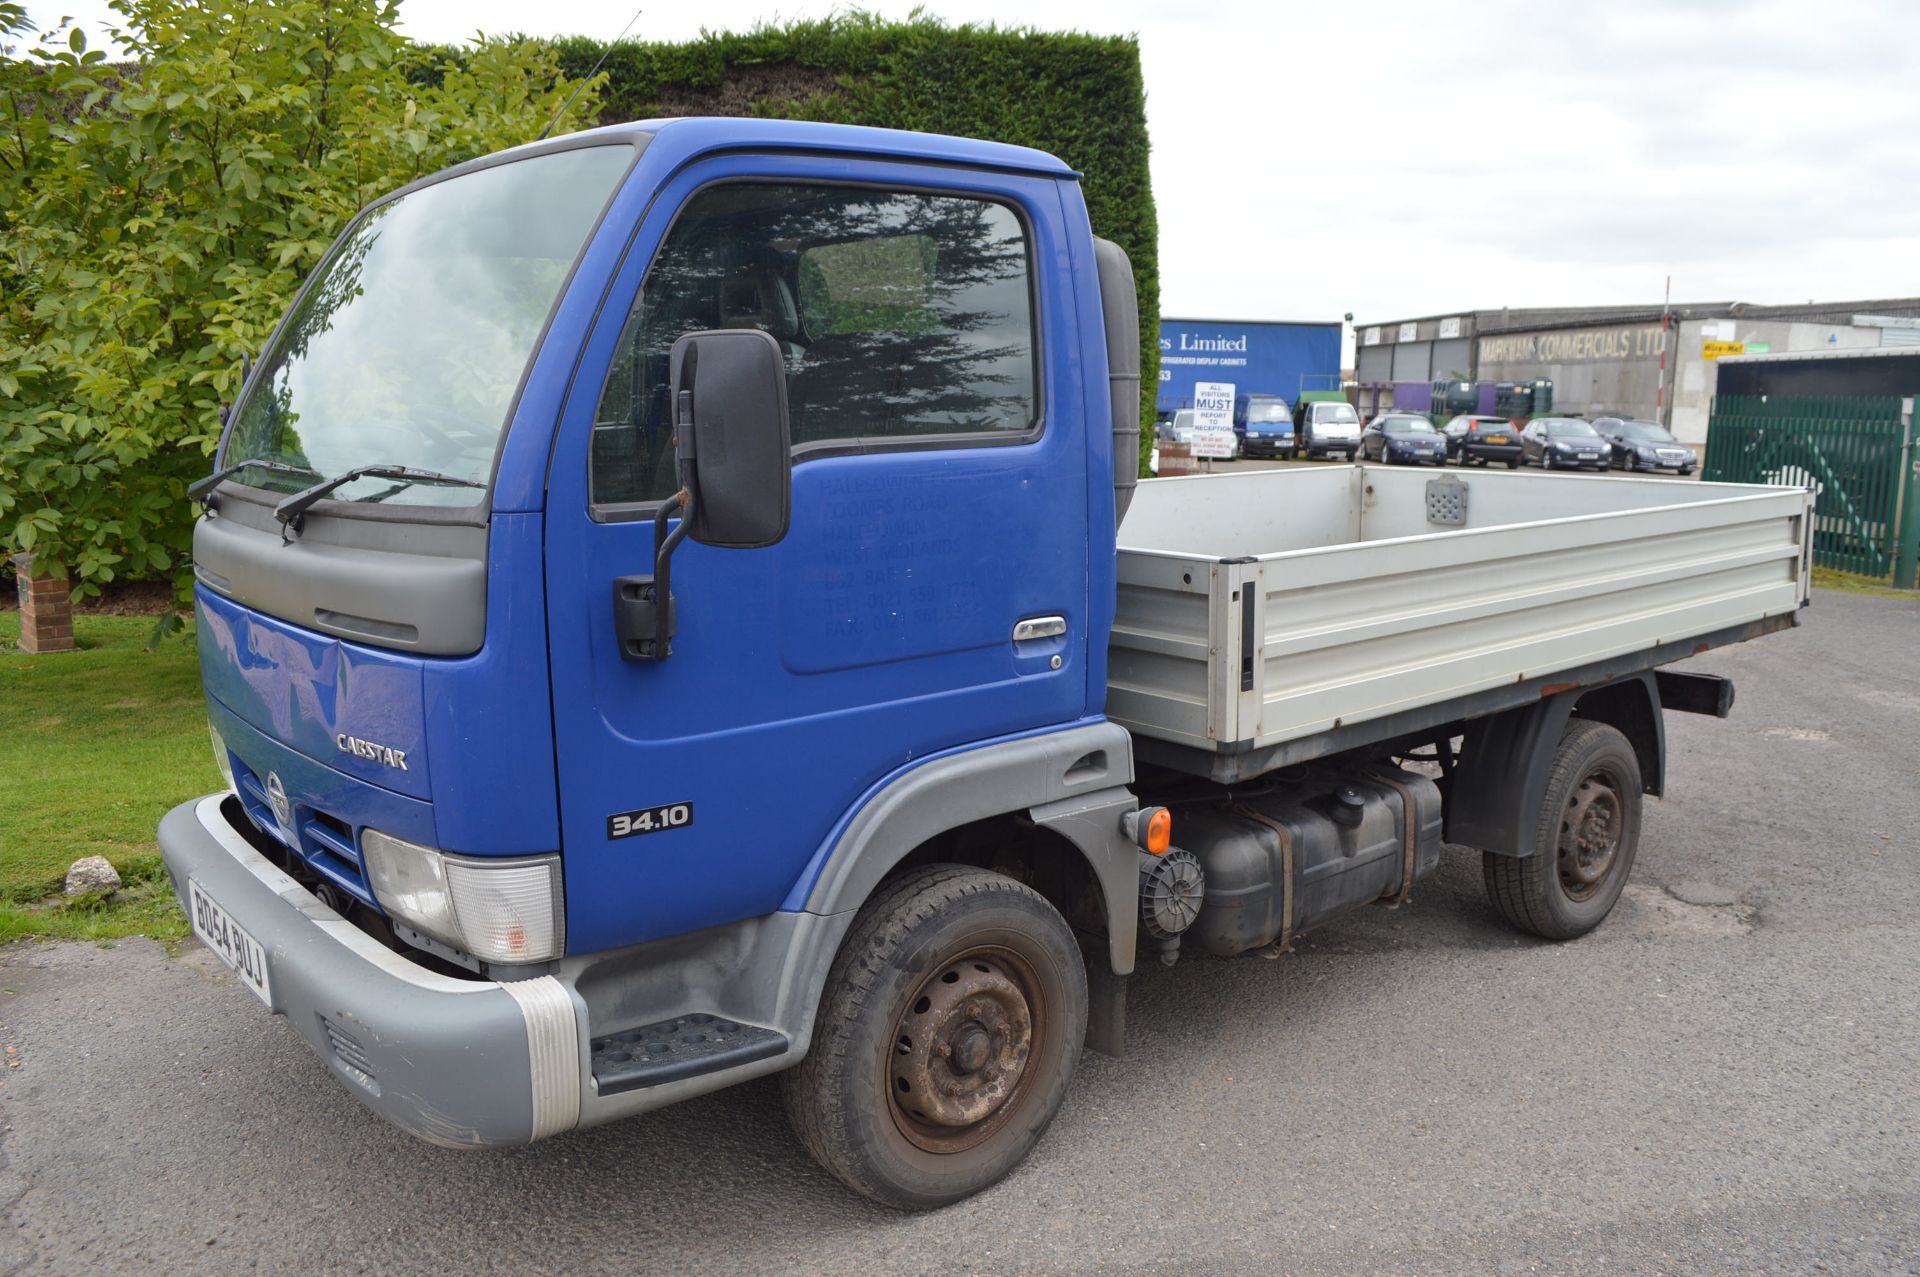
{"x": 46, "y": 608}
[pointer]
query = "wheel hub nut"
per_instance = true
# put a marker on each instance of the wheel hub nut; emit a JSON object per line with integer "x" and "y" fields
{"x": 970, "y": 1048}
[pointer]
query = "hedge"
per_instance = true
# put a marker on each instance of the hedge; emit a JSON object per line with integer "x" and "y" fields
{"x": 1080, "y": 97}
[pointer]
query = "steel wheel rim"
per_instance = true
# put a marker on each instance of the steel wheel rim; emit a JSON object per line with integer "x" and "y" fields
{"x": 962, "y": 1054}
{"x": 1591, "y": 829}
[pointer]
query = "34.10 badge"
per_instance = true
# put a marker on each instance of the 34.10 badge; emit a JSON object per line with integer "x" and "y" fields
{"x": 649, "y": 820}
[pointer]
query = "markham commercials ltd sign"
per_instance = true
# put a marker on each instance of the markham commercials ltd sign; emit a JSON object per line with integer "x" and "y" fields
{"x": 1577, "y": 346}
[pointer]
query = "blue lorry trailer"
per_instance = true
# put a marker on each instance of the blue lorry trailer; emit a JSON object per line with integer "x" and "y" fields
{"x": 1263, "y": 357}
{"x": 654, "y": 602}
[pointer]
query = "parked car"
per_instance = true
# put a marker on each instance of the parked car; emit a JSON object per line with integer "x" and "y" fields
{"x": 1403, "y": 438}
{"x": 1325, "y": 428}
{"x": 1264, "y": 424}
{"x": 1180, "y": 429}
{"x": 1472, "y": 438}
{"x": 1556, "y": 443}
{"x": 1645, "y": 445}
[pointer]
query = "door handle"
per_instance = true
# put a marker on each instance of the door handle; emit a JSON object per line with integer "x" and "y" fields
{"x": 1039, "y": 627}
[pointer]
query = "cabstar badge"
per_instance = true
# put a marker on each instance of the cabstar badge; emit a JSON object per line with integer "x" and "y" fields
{"x": 372, "y": 751}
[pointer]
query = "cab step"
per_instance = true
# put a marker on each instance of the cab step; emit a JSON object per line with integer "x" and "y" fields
{"x": 679, "y": 1048}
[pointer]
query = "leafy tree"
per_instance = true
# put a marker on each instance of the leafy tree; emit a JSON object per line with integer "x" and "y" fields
{"x": 156, "y": 217}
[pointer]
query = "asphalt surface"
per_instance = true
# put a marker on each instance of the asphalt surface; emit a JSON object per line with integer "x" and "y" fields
{"x": 1697, "y": 1087}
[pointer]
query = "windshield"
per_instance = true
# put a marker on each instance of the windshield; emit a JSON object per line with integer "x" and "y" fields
{"x": 409, "y": 345}
{"x": 1262, "y": 411}
{"x": 1570, "y": 430}
{"x": 1335, "y": 414}
{"x": 1407, "y": 426}
{"x": 1645, "y": 431}
{"x": 1183, "y": 419}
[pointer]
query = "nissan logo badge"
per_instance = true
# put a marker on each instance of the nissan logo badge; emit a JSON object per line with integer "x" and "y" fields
{"x": 277, "y": 799}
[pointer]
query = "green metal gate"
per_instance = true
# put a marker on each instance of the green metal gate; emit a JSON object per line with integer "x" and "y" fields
{"x": 1852, "y": 450}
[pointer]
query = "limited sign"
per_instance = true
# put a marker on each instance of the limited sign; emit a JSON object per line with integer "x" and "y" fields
{"x": 1213, "y": 419}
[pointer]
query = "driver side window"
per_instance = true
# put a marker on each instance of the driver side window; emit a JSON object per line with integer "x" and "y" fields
{"x": 902, "y": 316}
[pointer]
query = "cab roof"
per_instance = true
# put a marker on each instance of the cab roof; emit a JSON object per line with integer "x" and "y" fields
{"x": 685, "y": 138}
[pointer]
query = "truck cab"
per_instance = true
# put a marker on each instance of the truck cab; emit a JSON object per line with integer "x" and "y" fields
{"x": 586, "y": 780}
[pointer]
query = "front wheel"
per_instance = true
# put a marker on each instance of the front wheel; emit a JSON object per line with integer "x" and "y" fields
{"x": 1584, "y": 843}
{"x": 948, "y": 1031}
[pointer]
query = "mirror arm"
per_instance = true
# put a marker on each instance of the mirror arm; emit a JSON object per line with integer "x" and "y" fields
{"x": 664, "y": 544}
{"x": 643, "y": 611}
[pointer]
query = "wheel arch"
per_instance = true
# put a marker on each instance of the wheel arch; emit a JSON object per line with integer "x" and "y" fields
{"x": 1496, "y": 790}
{"x": 1041, "y": 797}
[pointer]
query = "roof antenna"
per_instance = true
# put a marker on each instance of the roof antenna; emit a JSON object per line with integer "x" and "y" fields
{"x": 589, "y": 75}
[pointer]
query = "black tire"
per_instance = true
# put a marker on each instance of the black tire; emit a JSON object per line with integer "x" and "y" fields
{"x": 1588, "y": 831}
{"x": 1513, "y": 463}
{"x": 877, "y": 1101}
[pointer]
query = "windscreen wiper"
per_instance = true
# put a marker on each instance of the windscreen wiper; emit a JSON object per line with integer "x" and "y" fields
{"x": 195, "y": 491}
{"x": 289, "y": 512}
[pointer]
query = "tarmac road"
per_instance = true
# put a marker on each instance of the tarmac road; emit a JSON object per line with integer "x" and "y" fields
{"x": 1722, "y": 1079}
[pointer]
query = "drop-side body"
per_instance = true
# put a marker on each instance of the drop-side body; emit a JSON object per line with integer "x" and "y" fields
{"x": 656, "y": 604}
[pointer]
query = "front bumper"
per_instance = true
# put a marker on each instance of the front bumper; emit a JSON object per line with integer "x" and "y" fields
{"x": 461, "y": 1063}
{"x": 471, "y": 1062}
{"x": 1265, "y": 447}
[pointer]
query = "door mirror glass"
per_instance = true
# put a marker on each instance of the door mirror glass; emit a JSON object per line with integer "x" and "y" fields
{"x": 729, "y": 397}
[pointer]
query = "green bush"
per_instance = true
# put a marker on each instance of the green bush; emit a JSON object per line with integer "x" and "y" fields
{"x": 1080, "y": 97}
{"x": 156, "y": 218}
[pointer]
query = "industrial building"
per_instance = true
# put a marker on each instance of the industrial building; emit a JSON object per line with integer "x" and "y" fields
{"x": 1637, "y": 361}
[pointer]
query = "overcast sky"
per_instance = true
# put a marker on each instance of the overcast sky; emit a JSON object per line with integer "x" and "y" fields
{"x": 1412, "y": 157}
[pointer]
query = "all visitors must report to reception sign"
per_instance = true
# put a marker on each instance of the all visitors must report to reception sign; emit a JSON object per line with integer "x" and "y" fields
{"x": 1213, "y": 419}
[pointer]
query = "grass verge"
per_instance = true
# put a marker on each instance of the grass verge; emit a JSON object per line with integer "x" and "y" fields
{"x": 1854, "y": 583}
{"x": 97, "y": 745}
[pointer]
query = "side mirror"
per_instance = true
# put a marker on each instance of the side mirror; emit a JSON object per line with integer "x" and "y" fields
{"x": 729, "y": 396}
{"x": 731, "y": 432}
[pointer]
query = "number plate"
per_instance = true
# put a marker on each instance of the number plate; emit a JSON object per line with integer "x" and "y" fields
{"x": 1496, "y": 439}
{"x": 235, "y": 947}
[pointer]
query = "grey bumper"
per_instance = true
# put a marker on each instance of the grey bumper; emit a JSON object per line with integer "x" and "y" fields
{"x": 461, "y": 1063}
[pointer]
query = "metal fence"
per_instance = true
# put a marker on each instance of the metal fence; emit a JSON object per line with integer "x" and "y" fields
{"x": 1851, "y": 451}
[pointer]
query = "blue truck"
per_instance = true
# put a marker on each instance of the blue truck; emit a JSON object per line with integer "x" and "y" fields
{"x": 663, "y": 624}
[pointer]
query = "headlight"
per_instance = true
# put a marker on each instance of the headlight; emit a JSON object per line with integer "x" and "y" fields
{"x": 496, "y": 910}
{"x": 221, "y": 758}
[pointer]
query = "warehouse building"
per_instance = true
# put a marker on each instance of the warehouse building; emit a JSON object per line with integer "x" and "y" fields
{"x": 1618, "y": 359}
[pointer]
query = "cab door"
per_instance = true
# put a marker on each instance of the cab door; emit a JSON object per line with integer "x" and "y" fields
{"x": 939, "y": 500}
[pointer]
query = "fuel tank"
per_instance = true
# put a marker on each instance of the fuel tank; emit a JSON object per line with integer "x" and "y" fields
{"x": 1347, "y": 833}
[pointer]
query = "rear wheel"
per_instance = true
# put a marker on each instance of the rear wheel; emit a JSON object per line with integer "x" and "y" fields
{"x": 948, "y": 1031}
{"x": 1584, "y": 843}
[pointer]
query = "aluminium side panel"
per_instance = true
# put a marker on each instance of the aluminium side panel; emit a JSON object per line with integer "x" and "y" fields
{"x": 1362, "y": 631}
{"x": 1184, "y": 660}
{"x": 1161, "y": 676}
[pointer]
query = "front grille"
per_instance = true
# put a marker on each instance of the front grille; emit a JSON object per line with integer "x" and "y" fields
{"x": 322, "y": 841}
